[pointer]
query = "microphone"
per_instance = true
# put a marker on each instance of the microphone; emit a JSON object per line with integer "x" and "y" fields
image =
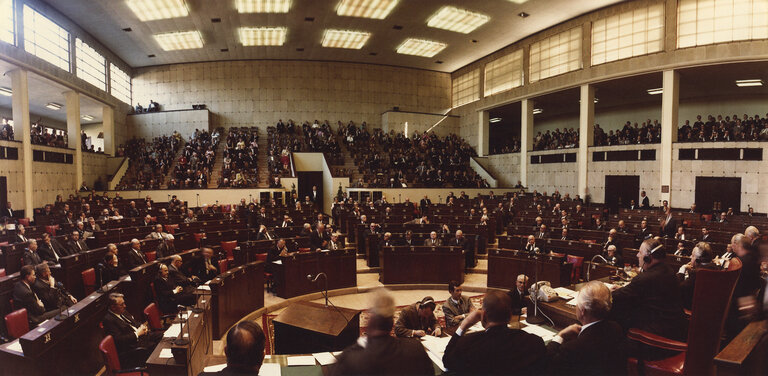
{"x": 592, "y": 261}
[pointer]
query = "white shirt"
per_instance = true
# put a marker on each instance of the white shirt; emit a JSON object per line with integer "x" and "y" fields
{"x": 559, "y": 339}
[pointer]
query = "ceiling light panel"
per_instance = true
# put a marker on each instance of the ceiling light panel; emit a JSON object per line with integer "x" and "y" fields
{"x": 420, "y": 47}
{"x": 53, "y": 106}
{"x": 263, "y": 6}
{"x": 6, "y": 92}
{"x": 458, "y": 20}
{"x": 150, "y": 10}
{"x": 655, "y": 91}
{"x": 262, "y": 36}
{"x": 377, "y": 9}
{"x": 87, "y": 117}
{"x": 345, "y": 39}
{"x": 749, "y": 83}
{"x": 183, "y": 40}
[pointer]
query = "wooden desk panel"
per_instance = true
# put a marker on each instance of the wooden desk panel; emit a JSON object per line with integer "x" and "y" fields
{"x": 235, "y": 294}
{"x": 291, "y": 276}
{"x": 504, "y": 267}
{"x": 401, "y": 265}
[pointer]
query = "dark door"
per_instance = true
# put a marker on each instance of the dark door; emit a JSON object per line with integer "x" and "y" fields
{"x": 307, "y": 180}
{"x": 4, "y": 193}
{"x": 620, "y": 190}
{"x": 716, "y": 194}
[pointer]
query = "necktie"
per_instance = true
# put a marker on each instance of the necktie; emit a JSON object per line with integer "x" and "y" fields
{"x": 127, "y": 321}
{"x": 55, "y": 255}
{"x": 39, "y": 302}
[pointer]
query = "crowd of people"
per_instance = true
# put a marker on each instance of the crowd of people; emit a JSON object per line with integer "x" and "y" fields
{"x": 286, "y": 137}
{"x": 150, "y": 161}
{"x": 568, "y": 138}
{"x": 746, "y": 128}
{"x": 240, "y": 168}
{"x": 194, "y": 166}
{"x": 509, "y": 145}
{"x": 6, "y": 130}
{"x": 42, "y": 135}
{"x": 631, "y": 134}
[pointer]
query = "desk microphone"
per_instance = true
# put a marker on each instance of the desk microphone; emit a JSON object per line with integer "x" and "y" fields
{"x": 314, "y": 279}
{"x": 592, "y": 262}
{"x": 180, "y": 340}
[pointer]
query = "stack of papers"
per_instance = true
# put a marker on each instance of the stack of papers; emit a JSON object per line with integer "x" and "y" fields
{"x": 565, "y": 293}
{"x": 435, "y": 347}
{"x": 544, "y": 333}
{"x": 306, "y": 360}
{"x": 165, "y": 354}
{"x": 172, "y": 331}
{"x": 324, "y": 358}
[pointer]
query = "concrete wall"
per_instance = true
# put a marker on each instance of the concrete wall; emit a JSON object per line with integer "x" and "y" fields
{"x": 549, "y": 177}
{"x": 51, "y": 179}
{"x": 505, "y": 167}
{"x": 14, "y": 172}
{"x": 419, "y": 122}
{"x": 95, "y": 167}
{"x": 155, "y": 124}
{"x": 649, "y": 172}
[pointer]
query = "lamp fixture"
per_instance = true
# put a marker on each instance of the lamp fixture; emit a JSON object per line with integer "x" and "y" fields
{"x": 749, "y": 83}
{"x": 6, "y": 92}
{"x": 458, "y": 20}
{"x": 345, "y": 39}
{"x": 537, "y": 111}
{"x": 150, "y": 10}
{"x": 182, "y": 40}
{"x": 53, "y": 106}
{"x": 655, "y": 91}
{"x": 376, "y": 9}
{"x": 420, "y": 47}
{"x": 262, "y": 6}
{"x": 262, "y": 36}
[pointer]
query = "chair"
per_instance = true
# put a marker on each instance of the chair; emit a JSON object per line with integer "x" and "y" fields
{"x": 24, "y": 221}
{"x": 223, "y": 266}
{"x": 156, "y": 321}
{"x": 17, "y": 323}
{"x": 89, "y": 280}
{"x": 199, "y": 236}
{"x": 577, "y": 262}
{"x": 228, "y": 247}
{"x": 711, "y": 301}
{"x": 2, "y": 272}
{"x": 268, "y": 277}
{"x": 151, "y": 256}
{"x": 112, "y": 361}
{"x": 304, "y": 250}
{"x": 51, "y": 229}
{"x": 171, "y": 229}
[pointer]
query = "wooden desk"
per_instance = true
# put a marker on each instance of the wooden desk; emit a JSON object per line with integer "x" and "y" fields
{"x": 187, "y": 360}
{"x": 234, "y": 295}
{"x": 505, "y": 265}
{"x": 421, "y": 265}
{"x": 291, "y": 275}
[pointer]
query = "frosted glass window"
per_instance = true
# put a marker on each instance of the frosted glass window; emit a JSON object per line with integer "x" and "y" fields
{"x": 702, "y": 22}
{"x": 91, "y": 66}
{"x": 120, "y": 84}
{"x": 558, "y": 54}
{"x": 45, "y": 39}
{"x": 504, "y": 73}
{"x": 466, "y": 88}
{"x": 7, "y": 25}
{"x": 633, "y": 33}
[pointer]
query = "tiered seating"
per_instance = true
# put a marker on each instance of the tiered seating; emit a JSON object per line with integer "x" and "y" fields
{"x": 149, "y": 161}
{"x": 557, "y": 139}
{"x": 194, "y": 166}
{"x": 239, "y": 163}
{"x": 746, "y": 128}
{"x": 647, "y": 133}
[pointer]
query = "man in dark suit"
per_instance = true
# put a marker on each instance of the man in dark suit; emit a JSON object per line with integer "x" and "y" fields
{"x": 386, "y": 241}
{"x": 132, "y": 211}
{"x": 52, "y": 294}
{"x": 530, "y": 246}
{"x": 205, "y": 266}
{"x": 319, "y": 238}
{"x": 701, "y": 258}
{"x": 134, "y": 341}
{"x": 497, "y": 349}
{"x": 519, "y": 295}
{"x": 669, "y": 224}
{"x": 25, "y": 297}
{"x": 542, "y": 233}
{"x": 135, "y": 255}
{"x": 460, "y": 242}
{"x": 264, "y": 234}
{"x": 244, "y": 349}
{"x": 51, "y": 250}
{"x": 30, "y": 256}
{"x": 314, "y": 196}
{"x": 645, "y": 203}
{"x": 335, "y": 243}
{"x": 20, "y": 236}
{"x": 170, "y": 294}
{"x": 379, "y": 352}
{"x": 433, "y": 240}
{"x": 407, "y": 240}
{"x": 75, "y": 244}
{"x": 424, "y": 205}
{"x": 594, "y": 347}
{"x": 7, "y": 212}
{"x": 644, "y": 233}
{"x": 705, "y": 235}
{"x": 418, "y": 320}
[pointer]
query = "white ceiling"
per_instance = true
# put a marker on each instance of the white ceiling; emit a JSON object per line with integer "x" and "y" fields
{"x": 43, "y": 91}
{"x": 105, "y": 19}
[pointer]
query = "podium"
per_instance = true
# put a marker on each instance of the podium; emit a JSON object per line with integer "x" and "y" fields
{"x": 306, "y": 327}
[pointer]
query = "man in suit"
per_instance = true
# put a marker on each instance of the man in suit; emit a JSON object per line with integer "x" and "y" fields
{"x": 135, "y": 255}
{"x": 564, "y": 234}
{"x": 21, "y": 235}
{"x": 264, "y": 234}
{"x": 668, "y": 224}
{"x": 433, "y": 240}
{"x": 25, "y": 297}
{"x": 622, "y": 228}
{"x": 386, "y": 241}
{"x": 460, "y": 242}
{"x": 178, "y": 277}
{"x": 51, "y": 250}
{"x": 379, "y": 352}
{"x": 205, "y": 266}
{"x": 456, "y": 307}
{"x": 408, "y": 240}
{"x": 705, "y": 235}
{"x": 147, "y": 221}
{"x": 244, "y": 349}
{"x": 542, "y": 233}
{"x": 134, "y": 341}
{"x": 645, "y": 203}
{"x": 644, "y": 233}
{"x": 276, "y": 252}
{"x": 748, "y": 284}
{"x": 287, "y": 221}
{"x": 112, "y": 270}
{"x": 30, "y": 256}
{"x": 519, "y": 295}
{"x": 597, "y": 345}
{"x": 318, "y": 240}
{"x": 75, "y": 244}
{"x": 132, "y": 211}
{"x": 314, "y": 196}
{"x": 335, "y": 243}
{"x": 7, "y": 212}
{"x": 418, "y": 320}
{"x": 632, "y": 205}
{"x": 497, "y": 349}
{"x": 170, "y": 294}
{"x": 52, "y": 294}
{"x": 530, "y": 246}
{"x": 701, "y": 258}
{"x": 424, "y": 205}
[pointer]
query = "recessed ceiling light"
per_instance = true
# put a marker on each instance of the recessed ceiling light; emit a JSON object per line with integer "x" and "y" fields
{"x": 216, "y": 20}
{"x": 458, "y": 20}
{"x": 53, "y": 106}
{"x": 519, "y": 1}
{"x": 87, "y": 117}
{"x": 300, "y": 49}
{"x": 439, "y": 62}
{"x": 750, "y": 82}
{"x": 495, "y": 120}
{"x": 262, "y": 6}
{"x": 377, "y": 9}
{"x": 150, "y": 10}
{"x": 6, "y": 92}
{"x": 182, "y": 40}
{"x": 345, "y": 39}
{"x": 373, "y": 53}
{"x": 655, "y": 91}
{"x": 420, "y": 47}
{"x": 537, "y": 111}
{"x": 523, "y": 15}
{"x": 262, "y": 36}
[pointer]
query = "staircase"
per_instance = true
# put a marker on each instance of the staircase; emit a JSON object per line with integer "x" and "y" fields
{"x": 262, "y": 180}
{"x": 218, "y": 164}
{"x": 349, "y": 162}
{"x": 176, "y": 157}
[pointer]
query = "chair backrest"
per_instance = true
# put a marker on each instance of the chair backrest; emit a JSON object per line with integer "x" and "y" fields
{"x": 151, "y": 256}
{"x": 171, "y": 228}
{"x": 109, "y": 354}
{"x": 304, "y": 250}
{"x": 152, "y": 314}
{"x": 228, "y": 247}
{"x": 198, "y": 236}
{"x": 577, "y": 262}
{"x": 24, "y": 221}
{"x": 89, "y": 280}
{"x": 17, "y": 323}
{"x": 261, "y": 257}
{"x": 711, "y": 302}
{"x": 223, "y": 265}
{"x": 51, "y": 229}
{"x": 2, "y": 272}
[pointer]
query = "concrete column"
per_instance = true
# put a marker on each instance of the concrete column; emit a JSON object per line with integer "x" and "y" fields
{"x": 22, "y": 125}
{"x": 586, "y": 132}
{"x": 670, "y": 102}
{"x": 526, "y": 137}
{"x": 73, "y": 133}
{"x": 108, "y": 128}
{"x": 482, "y": 134}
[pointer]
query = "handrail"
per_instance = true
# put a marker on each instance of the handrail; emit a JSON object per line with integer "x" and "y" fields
{"x": 485, "y": 174}
{"x": 112, "y": 184}
{"x": 293, "y": 169}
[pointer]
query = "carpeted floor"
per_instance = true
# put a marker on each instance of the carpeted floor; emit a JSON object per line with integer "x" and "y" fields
{"x": 269, "y": 327}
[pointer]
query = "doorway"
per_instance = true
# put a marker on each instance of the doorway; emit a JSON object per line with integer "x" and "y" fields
{"x": 620, "y": 190}
{"x": 716, "y": 194}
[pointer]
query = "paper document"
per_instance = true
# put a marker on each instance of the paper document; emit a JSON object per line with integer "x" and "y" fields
{"x": 172, "y": 331}
{"x": 571, "y": 302}
{"x": 278, "y": 262}
{"x": 324, "y": 358}
{"x": 435, "y": 347}
{"x": 307, "y": 360}
{"x": 15, "y": 346}
{"x": 204, "y": 287}
{"x": 127, "y": 279}
{"x": 544, "y": 333}
{"x": 166, "y": 354}
{"x": 218, "y": 367}
{"x": 270, "y": 369}
{"x": 336, "y": 353}
{"x": 565, "y": 293}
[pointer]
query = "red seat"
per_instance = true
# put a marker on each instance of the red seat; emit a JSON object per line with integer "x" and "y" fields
{"x": 226, "y": 208}
{"x": 112, "y": 361}
{"x": 577, "y": 262}
{"x": 89, "y": 280}
{"x": 2, "y": 272}
{"x": 51, "y": 229}
{"x": 199, "y": 236}
{"x": 711, "y": 301}
{"x": 17, "y": 323}
{"x": 152, "y": 314}
{"x": 151, "y": 256}
{"x": 171, "y": 229}
{"x": 228, "y": 247}
{"x": 304, "y": 250}
{"x": 268, "y": 277}
{"x": 223, "y": 265}
{"x": 24, "y": 221}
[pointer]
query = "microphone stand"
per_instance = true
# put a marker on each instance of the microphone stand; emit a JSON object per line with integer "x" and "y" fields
{"x": 313, "y": 280}
{"x": 535, "y": 319}
{"x": 100, "y": 268}
{"x": 180, "y": 340}
{"x": 592, "y": 262}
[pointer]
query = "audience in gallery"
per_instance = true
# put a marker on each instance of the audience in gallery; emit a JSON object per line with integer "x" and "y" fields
{"x": 746, "y": 128}
{"x": 193, "y": 168}
{"x": 557, "y": 139}
{"x": 240, "y": 167}
{"x": 646, "y": 133}
{"x": 150, "y": 161}
{"x": 6, "y": 130}
{"x": 510, "y": 145}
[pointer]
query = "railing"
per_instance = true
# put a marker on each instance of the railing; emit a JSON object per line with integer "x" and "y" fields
{"x": 121, "y": 170}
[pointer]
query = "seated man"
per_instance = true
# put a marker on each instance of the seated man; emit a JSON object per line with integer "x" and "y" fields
{"x": 379, "y": 353}
{"x": 51, "y": 293}
{"x": 335, "y": 242}
{"x": 407, "y": 240}
{"x": 497, "y": 349}
{"x": 170, "y": 294}
{"x": 30, "y": 255}
{"x": 418, "y": 320}
{"x": 205, "y": 267}
{"x": 701, "y": 258}
{"x": 51, "y": 250}
{"x": 433, "y": 240}
{"x": 76, "y": 245}
{"x": 25, "y": 297}
{"x": 386, "y": 241}
{"x": 597, "y": 346}
{"x": 111, "y": 271}
{"x": 135, "y": 255}
{"x": 456, "y": 307}
{"x": 530, "y": 246}
{"x": 612, "y": 257}
{"x": 519, "y": 295}
{"x": 244, "y": 348}
{"x": 134, "y": 341}
{"x": 318, "y": 240}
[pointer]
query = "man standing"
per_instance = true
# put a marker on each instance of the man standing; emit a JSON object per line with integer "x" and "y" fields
{"x": 457, "y": 307}
{"x": 205, "y": 267}
{"x": 418, "y": 320}
{"x": 497, "y": 349}
{"x": 645, "y": 203}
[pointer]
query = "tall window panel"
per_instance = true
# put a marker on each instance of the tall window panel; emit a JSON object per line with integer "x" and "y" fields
{"x": 7, "y": 22}
{"x": 634, "y": 33}
{"x": 91, "y": 66}
{"x": 504, "y": 73}
{"x": 702, "y": 22}
{"x": 466, "y": 88}
{"x": 120, "y": 84}
{"x": 558, "y": 54}
{"x": 45, "y": 39}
